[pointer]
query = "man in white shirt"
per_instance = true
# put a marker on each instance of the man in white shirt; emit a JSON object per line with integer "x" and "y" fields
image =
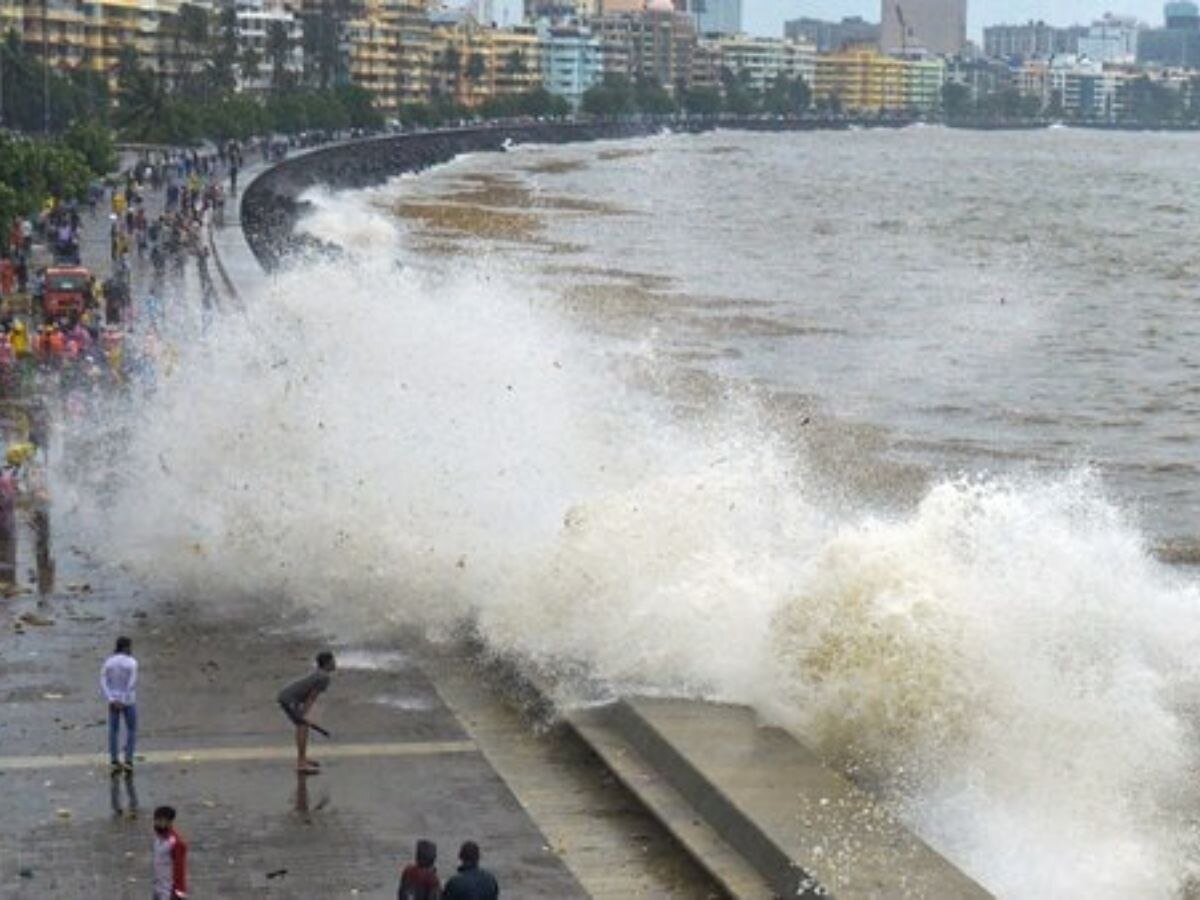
{"x": 118, "y": 684}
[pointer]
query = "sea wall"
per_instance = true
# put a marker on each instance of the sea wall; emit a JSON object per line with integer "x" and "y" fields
{"x": 271, "y": 204}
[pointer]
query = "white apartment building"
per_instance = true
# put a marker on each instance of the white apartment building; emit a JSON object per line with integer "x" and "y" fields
{"x": 765, "y": 59}
{"x": 570, "y": 60}
{"x": 1113, "y": 39}
{"x": 254, "y": 18}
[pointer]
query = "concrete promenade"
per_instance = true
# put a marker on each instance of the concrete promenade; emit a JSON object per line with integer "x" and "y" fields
{"x": 215, "y": 745}
{"x": 423, "y": 746}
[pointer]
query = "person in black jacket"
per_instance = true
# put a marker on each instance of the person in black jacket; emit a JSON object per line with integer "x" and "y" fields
{"x": 471, "y": 882}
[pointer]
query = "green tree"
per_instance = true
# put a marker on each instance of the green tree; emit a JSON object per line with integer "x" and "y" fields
{"x": 739, "y": 96}
{"x": 32, "y": 170}
{"x": 956, "y": 101}
{"x": 279, "y": 50}
{"x": 476, "y": 67}
{"x": 224, "y": 57}
{"x": 26, "y": 85}
{"x": 250, "y": 65}
{"x": 450, "y": 65}
{"x": 1149, "y": 102}
{"x": 191, "y": 39}
{"x": 94, "y": 143}
{"x": 514, "y": 63}
{"x": 359, "y": 106}
{"x": 613, "y": 96}
{"x": 322, "y": 41}
{"x": 701, "y": 101}
{"x": 652, "y": 98}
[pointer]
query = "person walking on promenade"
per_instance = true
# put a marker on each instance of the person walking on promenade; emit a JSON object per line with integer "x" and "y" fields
{"x": 297, "y": 699}
{"x": 169, "y": 857}
{"x": 471, "y": 882}
{"x": 118, "y": 684}
{"x": 419, "y": 880}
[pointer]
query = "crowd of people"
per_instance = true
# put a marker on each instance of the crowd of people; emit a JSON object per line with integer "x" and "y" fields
{"x": 157, "y": 211}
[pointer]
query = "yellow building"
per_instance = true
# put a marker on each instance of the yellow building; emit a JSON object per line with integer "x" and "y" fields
{"x": 411, "y": 17}
{"x": 373, "y": 59}
{"x": 92, "y": 34}
{"x": 866, "y": 81}
{"x": 472, "y": 63}
{"x": 861, "y": 79}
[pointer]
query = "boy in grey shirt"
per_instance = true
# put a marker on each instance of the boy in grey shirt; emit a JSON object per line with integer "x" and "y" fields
{"x": 297, "y": 699}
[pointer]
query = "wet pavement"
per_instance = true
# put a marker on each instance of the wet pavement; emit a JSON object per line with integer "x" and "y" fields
{"x": 214, "y": 744}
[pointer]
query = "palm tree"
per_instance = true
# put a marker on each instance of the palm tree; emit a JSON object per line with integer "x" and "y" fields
{"x": 250, "y": 65}
{"x": 514, "y": 63}
{"x": 451, "y": 65}
{"x": 142, "y": 104}
{"x": 279, "y": 49}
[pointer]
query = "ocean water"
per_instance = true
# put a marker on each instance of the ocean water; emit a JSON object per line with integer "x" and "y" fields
{"x": 888, "y": 434}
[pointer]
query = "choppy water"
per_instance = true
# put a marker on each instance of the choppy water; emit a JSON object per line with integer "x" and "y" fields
{"x": 990, "y": 300}
{"x": 875, "y": 431}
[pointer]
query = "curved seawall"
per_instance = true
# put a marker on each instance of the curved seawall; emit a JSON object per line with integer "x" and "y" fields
{"x": 270, "y": 205}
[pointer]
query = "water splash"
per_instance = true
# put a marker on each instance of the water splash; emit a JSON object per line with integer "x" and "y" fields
{"x": 379, "y": 443}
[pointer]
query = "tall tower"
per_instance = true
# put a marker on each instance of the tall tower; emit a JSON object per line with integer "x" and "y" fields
{"x": 935, "y": 26}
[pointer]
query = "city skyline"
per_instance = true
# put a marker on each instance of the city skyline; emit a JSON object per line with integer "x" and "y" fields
{"x": 767, "y": 16}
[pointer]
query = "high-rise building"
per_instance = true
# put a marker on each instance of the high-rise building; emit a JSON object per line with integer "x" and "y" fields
{"x": 656, "y": 43}
{"x": 861, "y": 79}
{"x": 761, "y": 60}
{"x": 714, "y": 16}
{"x": 569, "y": 60}
{"x": 929, "y": 26}
{"x": 1177, "y": 45}
{"x": 1033, "y": 40}
{"x": 828, "y": 36}
{"x": 1112, "y": 39}
{"x": 556, "y": 10}
{"x": 1182, "y": 16}
{"x": 260, "y": 25}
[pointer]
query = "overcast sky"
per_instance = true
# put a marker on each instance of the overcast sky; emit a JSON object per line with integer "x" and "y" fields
{"x": 767, "y": 16}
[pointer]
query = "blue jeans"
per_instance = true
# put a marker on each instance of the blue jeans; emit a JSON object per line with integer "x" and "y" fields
{"x": 114, "y": 727}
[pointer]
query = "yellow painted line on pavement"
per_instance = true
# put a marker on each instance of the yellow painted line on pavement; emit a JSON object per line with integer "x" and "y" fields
{"x": 243, "y": 754}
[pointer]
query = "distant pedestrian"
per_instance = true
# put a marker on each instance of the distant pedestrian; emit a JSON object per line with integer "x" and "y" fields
{"x": 471, "y": 882}
{"x": 297, "y": 699}
{"x": 233, "y": 174}
{"x": 118, "y": 683}
{"x": 170, "y": 857}
{"x": 419, "y": 881}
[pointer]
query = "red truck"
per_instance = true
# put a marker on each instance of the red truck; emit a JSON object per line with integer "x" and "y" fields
{"x": 66, "y": 291}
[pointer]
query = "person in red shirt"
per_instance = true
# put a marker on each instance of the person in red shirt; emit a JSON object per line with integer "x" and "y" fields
{"x": 170, "y": 857}
{"x": 420, "y": 881}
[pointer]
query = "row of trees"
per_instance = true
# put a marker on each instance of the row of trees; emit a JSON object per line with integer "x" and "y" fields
{"x": 617, "y": 95}
{"x": 35, "y": 100}
{"x": 1143, "y": 101}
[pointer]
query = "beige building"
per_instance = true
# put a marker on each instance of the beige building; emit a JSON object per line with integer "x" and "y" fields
{"x": 657, "y": 44}
{"x": 863, "y": 80}
{"x": 373, "y": 58}
{"x": 934, "y": 26}
{"x": 471, "y": 63}
{"x": 73, "y": 34}
{"x": 764, "y": 59}
{"x": 411, "y": 19}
